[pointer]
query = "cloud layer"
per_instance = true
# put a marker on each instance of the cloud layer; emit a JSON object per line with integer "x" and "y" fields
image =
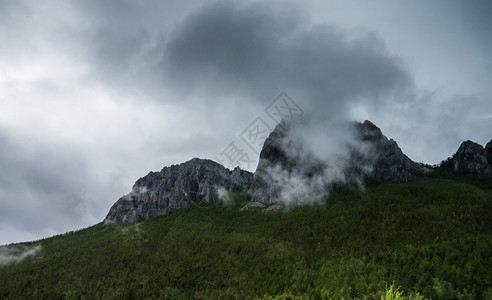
{"x": 256, "y": 51}
{"x": 95, "y": 94}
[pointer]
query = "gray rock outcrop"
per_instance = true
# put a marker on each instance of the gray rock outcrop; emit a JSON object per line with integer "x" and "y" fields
{"x": 266, "y": 186}
{"x": 488, "y": 153}
{"x": 387, "y": 161}
{"x": 287, "y": 171}
{"x": 175, "y": 187}
{"x": 370, "y": 155}
{"x": 472, "y": 158}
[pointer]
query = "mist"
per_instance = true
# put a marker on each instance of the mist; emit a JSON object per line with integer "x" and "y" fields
{"x": 98, "y": 94}
{"x": 314, "y": 156}
{"x": 227, "y": 51}
{"x": 17, "y": 253}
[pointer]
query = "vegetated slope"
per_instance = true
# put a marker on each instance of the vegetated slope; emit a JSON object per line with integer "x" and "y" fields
{"x": 432, "y": 236}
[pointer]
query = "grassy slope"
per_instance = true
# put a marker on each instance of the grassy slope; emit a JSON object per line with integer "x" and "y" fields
{"x": 433, "y": 236}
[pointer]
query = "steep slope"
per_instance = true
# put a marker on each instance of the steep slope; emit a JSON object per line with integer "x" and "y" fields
{"x": 472, "y": 158}
{"x": 388, "y": 161}
{"x": 431, "y": 236}
{"x": 488, "y": 152}
{"x": 174, "y": 187}
{"x": 369, "y": 155}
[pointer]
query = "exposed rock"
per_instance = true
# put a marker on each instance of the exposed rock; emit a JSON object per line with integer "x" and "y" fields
{"x": 253, "y": 206}
{"x": 369, "y": 156}
{"x": 471, "y": 158}
{"x": 174, "y": 187}
{"x": 274, "y": 156}
{"x": 286, "y": 164}
{"x": 488, "y": 153}
{"x": 388, "y": 162}
{"x": 275, "y": 207}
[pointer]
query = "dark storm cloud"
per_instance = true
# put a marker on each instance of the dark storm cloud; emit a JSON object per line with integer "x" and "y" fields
{"x": 221, "y": 50}
{"x": 98, "y": 93}
{"x": 253, "y": 49}
{"x": 117, "y": 32}
{"x": 477, "y": 15}
{"x": 119, "y": 38}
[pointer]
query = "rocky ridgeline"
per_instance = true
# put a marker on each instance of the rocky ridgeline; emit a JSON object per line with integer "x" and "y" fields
{"x": 472, "y": 158}
{"x": 175, "y": 187}
{"x": 370, "y": 156}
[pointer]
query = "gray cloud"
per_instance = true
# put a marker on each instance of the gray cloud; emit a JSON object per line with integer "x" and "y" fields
{"x": 119, "y": 39}
{"x": 45, "y": 188}
{"x": 228, "y": 48}
{"x": 94, "y": 94}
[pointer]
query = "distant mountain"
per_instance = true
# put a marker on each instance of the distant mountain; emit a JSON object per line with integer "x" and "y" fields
{"x": 174, "y": 187}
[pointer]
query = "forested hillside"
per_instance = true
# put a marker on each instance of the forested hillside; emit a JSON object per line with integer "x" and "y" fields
{"x": 429, "y": 238}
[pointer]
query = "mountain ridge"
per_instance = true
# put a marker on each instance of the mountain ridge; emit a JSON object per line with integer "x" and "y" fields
{"x": 472, "y": 158}
{"x": 175, "y": 187}
{"x": 429, "y": 237}
{"x": 370, "y": 156}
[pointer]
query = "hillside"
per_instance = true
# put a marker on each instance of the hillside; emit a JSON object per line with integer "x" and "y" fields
{"x": 432, "y": 236}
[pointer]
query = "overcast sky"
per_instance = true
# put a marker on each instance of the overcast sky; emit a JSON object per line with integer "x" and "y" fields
{"x": 95, "y": 94}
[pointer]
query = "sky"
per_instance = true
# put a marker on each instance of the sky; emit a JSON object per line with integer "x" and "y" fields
{"x": 95, "y": 94}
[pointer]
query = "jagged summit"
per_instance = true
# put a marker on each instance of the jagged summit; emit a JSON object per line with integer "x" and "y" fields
{"x": 472, "y": 158}
{"x": 288, "y": 170}
{"x": 368, "y": 155}
{"x": 174, "y": 187}
{"x": 387, "y": 160}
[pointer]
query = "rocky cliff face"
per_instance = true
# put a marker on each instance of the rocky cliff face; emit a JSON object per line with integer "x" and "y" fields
{"x": 370, "y": 155}
{"x": 488, "y": 152}
{"x": 386, "y": 160}
{"x": 472, "y": 158}
{"x": 287, "y": 171}
{"x": 276, "y": 165}
{"x": 174, "y": 187}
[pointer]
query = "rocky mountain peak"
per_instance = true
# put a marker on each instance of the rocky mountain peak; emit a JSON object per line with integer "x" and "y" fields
{"x": 174, "y": 187}
{"x": 387, "y": 160}
{"x": 288, "y": 170}
{"x": 370, "y": 155}
{"x": 368, "y": 131}
{"x": 473, "y": 158}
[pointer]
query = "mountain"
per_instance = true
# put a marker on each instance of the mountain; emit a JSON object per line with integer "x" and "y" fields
{"x": 397, "y": 238}
{"x": 369, "y": 156}
{"x": 175, "y": 187}
{"x": 386, "y": 159}
{"x": 288, "y": 172}
{"x": 472, "y": 158}
{"x": 430, "y": 236}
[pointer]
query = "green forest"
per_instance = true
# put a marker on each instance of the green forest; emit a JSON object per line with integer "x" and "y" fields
{"x": 427, "y": 239}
